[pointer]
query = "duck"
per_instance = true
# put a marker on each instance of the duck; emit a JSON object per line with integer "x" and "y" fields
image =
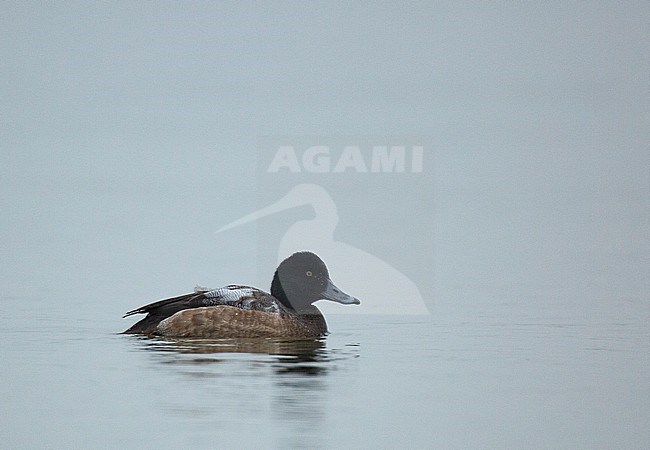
{"x": 237, "y": 311}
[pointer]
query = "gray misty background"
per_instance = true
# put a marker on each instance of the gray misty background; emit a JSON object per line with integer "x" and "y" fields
{"x": 128, "y": 134}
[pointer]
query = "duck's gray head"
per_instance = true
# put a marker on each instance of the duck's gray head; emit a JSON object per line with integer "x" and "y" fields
{"x": 302, "y": 279}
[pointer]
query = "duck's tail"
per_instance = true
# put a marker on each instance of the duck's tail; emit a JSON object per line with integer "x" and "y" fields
{"x": 161, "y": 310}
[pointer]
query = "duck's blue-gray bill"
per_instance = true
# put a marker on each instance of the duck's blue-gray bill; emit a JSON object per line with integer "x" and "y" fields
{"x": 336, "y": 295}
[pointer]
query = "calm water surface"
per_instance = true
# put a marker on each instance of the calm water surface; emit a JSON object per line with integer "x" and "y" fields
{"x": 457, "y": 379}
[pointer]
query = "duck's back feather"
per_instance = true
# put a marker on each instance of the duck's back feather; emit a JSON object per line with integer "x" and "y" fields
{"x": 238, "y": 297}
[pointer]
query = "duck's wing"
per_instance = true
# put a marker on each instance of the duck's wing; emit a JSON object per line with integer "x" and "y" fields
{"x": 193, "y": 300}
{"x": 242, "y": 297}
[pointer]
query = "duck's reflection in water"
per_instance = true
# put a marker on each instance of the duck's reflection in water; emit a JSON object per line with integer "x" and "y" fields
{"x": 273, "y": 381}
{"x": 306, "y": 356}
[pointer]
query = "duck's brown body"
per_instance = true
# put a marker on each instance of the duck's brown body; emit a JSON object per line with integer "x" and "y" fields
{"x": 227, "y": 321}
{"x": 237, "y": 311}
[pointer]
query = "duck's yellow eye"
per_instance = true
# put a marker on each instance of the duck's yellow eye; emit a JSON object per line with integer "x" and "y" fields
{"x": 308, "y": 273}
